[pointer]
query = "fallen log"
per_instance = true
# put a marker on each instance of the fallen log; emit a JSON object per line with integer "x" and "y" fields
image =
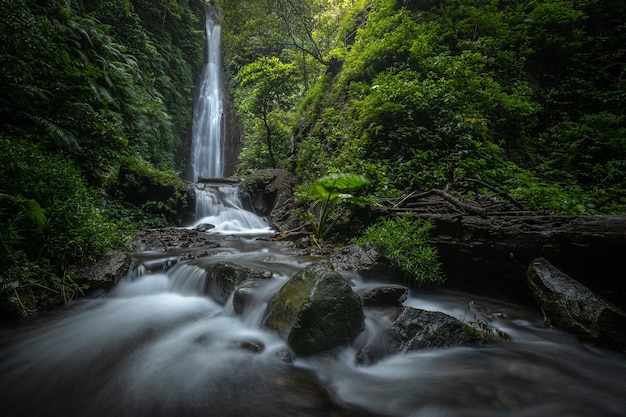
{"x": 491, "y": 254}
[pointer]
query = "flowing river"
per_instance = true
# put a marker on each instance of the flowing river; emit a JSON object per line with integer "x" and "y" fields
{"x": 157, "y": 345}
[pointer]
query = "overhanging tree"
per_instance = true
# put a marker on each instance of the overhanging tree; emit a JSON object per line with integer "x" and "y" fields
{"x": 271, "y": 85}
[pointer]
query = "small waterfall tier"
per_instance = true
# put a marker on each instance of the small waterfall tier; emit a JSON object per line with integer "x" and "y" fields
{"x": 220, "y": 206}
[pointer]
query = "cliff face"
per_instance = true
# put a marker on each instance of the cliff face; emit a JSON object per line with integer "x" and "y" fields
{"x": 233, "y": 130}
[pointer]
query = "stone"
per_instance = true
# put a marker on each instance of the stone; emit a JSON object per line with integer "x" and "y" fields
{"x": 104, "y": 273}
{"x": 204, "y": 227}
{"x": 224, "y": 277}
{"x": 418, "y": 329}
{"x": 385, "y": 296}
{"x": 265, "y": 190}
{"x": 253, "y": 346}
{"x": 413, "y": 329}
{"x": 573, "y": 307}
{"x": 367, "y": 261}
{"x": 243, "y": 296}
{"x": 316, "y": 310}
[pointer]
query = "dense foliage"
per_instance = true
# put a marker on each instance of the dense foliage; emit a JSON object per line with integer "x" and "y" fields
{"x": 85, "y": 86}
{"x": 404, "y": 241}
{"x": 526, "y": 96}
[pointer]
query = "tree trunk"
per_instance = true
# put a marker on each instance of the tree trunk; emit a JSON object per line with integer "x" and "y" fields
{"x": 491, "y": 254}
{"x": 268, "y": 139}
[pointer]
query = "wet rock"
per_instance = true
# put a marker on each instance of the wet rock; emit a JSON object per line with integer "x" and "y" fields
{"x": 253, "y": 346}
{"x": 366, "y": 260}
{"x": 138, "y": 187}
{"x": 385, "y": 296}
{"x": 266, "y": 190}
{"x": 418, "y": 329}
{"x": 573, "y": 307}
{"x": 171, "y": 238}
{"x": 413, "y": 329}
{"x": 105, "y": 273}
{"x": 204, "y": 227}
{"x": 243, "y": 296}
{"x": 284, "y": 355}
{"x": 224, "y": 277}
{"x": 316, "y": 310}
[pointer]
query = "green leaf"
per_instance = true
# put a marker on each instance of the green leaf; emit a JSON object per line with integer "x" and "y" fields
{"x": 34, "y": 213}
{"x": 330, "y": 187}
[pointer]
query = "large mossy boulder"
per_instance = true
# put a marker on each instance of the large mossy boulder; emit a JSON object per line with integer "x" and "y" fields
{"x": 265, "y": 190}
{"x": 573, "y": 307}
{"x": 316, "y": 310}
{"x": 158, "y": 193}
{"x": 103, "y": 273}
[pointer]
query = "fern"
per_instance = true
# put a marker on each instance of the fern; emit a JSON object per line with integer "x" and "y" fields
{"x": 63, "y": 138}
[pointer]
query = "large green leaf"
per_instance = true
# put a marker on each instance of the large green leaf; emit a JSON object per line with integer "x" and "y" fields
{"x": 329, "y": 187}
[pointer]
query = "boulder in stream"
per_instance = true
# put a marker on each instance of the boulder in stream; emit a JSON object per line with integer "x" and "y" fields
{"x": 573, "y": 307}
{"x": 413, "y": 328}
{"x": 104, "y": 273}
{"x": 224, "y": 277}
{"x": 366, "y": 260}
{"x": 417, "y": 329}
{"x": 316, "y": 310}
{"x": 385, "y": 296}
{"x": 242, "y": 297}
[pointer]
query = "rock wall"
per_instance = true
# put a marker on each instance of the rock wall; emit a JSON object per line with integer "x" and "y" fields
{"x": 233, "y": 130}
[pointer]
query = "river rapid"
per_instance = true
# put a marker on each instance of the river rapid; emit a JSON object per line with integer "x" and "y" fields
{"x": 157, "y": 346}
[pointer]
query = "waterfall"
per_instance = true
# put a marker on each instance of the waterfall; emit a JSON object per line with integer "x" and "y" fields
{"x": 219, "y": 206}
{"x": 208, "y": 118}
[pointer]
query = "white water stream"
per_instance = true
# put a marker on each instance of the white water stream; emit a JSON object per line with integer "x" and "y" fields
{"x": 207, "y": 152}
{"x": 220, "y": 206}
{"x": 158, "y": 345}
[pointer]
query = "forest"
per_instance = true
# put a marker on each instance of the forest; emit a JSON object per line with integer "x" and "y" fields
{"x": 527, "y": 97}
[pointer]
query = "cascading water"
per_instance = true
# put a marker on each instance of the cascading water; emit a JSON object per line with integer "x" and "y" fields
{"x": 217, "y": 205}
{"x": 221, "y": 207}
{"x": 160, "y": 344}
{"x": 208, "y": 118}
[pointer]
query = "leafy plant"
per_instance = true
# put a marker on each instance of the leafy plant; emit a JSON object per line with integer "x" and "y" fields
{"x": 270, "y": 87}
{"x": 482, "y": 326}
{"x": 72, "y": 229}
{"x": 17, "y": 214}
{"x": 404, "y": 241}
{"x": 331, "y": 191}
{"x": 146, "y": 197}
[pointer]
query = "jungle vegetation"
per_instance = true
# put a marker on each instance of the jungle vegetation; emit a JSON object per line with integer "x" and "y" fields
{"x": 526, "y": 96}
{"x": 87, "y": 87}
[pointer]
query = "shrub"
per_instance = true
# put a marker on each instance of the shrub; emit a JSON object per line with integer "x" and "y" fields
{"x": 147, "y": 197}
{"x": 49, "y": 219}
{"x": 404, "y": 242}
